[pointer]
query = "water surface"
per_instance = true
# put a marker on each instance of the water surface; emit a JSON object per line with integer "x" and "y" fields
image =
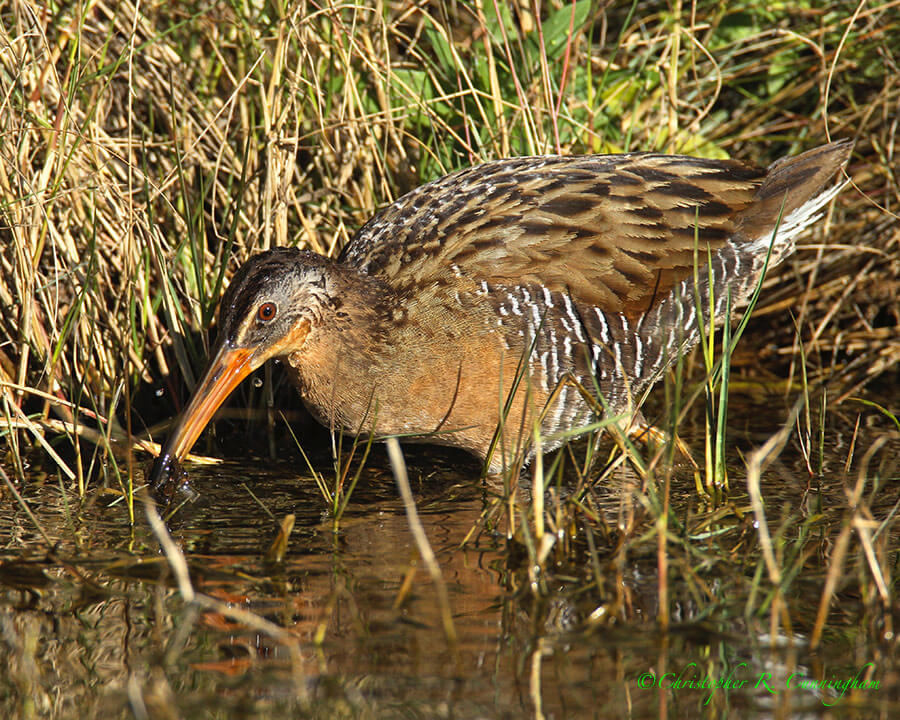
{"x": 93, "y": 623}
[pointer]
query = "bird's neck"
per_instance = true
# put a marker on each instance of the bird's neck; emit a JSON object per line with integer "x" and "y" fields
{"x": 388, "y": 367}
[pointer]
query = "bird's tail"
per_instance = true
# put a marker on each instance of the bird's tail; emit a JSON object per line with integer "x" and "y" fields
{"x": 792, "y": 196}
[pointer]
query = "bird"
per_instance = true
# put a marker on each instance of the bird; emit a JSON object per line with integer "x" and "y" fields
{"x": 522, "y": 296}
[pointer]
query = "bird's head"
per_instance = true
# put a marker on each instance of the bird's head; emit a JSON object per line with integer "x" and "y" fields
{"x": 276, "y": 303}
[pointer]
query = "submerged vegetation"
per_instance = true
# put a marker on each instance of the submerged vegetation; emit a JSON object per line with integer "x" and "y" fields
{"x": 148, "y": 149}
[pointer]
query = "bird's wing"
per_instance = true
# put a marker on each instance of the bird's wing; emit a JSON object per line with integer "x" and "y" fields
{"x": 614, "y": 231}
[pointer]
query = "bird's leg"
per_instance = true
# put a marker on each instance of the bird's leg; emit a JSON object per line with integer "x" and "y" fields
{"x": 632, "y": 423}
{"x": 642, "y": 431}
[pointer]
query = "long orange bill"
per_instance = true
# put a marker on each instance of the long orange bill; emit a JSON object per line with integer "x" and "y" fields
{"x": 225, "y": 372}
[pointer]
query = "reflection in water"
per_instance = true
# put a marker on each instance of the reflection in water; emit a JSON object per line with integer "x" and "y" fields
{"x": 95, "y": 625}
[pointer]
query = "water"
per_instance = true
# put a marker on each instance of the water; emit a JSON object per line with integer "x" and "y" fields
{"x": 93, "y": 624}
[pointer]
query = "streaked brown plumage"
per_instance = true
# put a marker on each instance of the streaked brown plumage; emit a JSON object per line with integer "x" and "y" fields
{"x": 582, "y": 265}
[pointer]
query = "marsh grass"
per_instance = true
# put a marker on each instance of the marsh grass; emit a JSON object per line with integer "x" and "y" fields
{"x": 168, "y": 166}
{"x": 147, "y": 150}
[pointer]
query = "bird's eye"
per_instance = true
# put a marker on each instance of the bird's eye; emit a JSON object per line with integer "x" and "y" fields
{"x": 267, "y": 311}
